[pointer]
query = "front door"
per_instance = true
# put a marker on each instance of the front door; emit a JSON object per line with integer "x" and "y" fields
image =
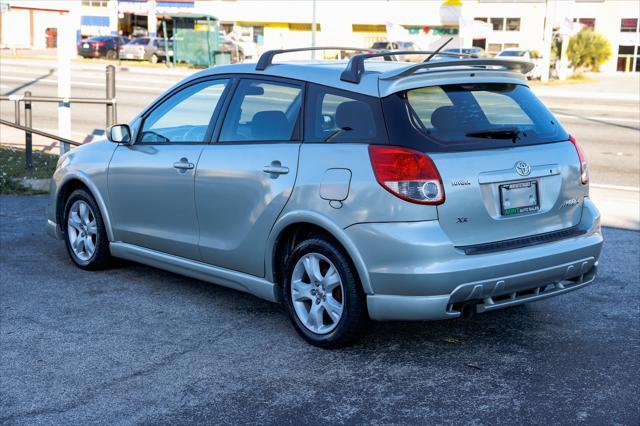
{"x": 151, "y": 183}
{"x": 245, "y": 179}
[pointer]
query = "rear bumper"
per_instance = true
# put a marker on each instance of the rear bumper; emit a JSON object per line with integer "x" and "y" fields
{"x": 484, "y": 296}
{"x": 132, "y": 56}
{"x": 418, "y": 274}
{"x": 90, "y": 53}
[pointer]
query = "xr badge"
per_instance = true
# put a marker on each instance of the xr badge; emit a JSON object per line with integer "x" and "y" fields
{"x": 462, "y": 220}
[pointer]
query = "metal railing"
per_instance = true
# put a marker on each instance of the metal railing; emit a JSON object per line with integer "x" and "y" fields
{"x": 27, "y": 99}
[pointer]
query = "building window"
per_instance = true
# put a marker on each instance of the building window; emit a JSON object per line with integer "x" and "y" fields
{"x": 513, "y": 24}
{"x": 586, "y": 22}
{"x": 368, "y": 28}
{"x": 482, "y": 19}
{"x": 494, "y": 48}
{"x": 498, "y": 24}
{"x": 480, "y": 42}
{"x": 628, "y": 58}
{"x": 302, "y": 27}
{"x": 95, "y": 3}
{"x": 629, "y": 25}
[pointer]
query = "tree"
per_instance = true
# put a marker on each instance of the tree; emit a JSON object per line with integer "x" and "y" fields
{"x": 588, "y": 50}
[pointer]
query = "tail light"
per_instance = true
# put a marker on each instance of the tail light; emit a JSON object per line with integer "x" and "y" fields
{"x": 97, "y": 44}
{"x": 584, "y": 170}
{"x": 407, "y": 174}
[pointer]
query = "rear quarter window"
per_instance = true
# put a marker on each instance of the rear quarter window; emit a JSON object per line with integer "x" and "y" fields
{"x": 334, "y": 115}
{"x": 469, "y": 117}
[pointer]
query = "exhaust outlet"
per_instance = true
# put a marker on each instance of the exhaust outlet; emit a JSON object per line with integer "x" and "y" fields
{"x": 468, "y": 310}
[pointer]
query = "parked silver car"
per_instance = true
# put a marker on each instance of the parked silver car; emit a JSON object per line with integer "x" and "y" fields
{"x": 347, "y": 191}
{"x": 150, "y": 49}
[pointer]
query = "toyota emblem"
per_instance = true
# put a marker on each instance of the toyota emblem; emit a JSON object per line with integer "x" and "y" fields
{"x": 523, "y": 168}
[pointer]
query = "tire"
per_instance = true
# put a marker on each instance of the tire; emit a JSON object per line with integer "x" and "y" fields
{"x": 111, "y": 55}
{"x": 81, "y": 216}
{"x": 154, "y": 59}
{"x": 320, "y": 295}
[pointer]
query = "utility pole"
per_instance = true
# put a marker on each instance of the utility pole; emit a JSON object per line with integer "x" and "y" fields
{"x": 547, "y": 40}
{"x": 313, "y": 30}
{"x": 152, "y": 20}
{"x": 66, "y": 48}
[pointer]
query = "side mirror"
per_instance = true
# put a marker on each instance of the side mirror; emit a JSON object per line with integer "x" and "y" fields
{"x": 120, "y": 133}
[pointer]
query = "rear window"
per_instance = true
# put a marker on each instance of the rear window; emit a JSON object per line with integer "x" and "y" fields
{"x": 470, "y": 116}
{"x": 140, "y": 41}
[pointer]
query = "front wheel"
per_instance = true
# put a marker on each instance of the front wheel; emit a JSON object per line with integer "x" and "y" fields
{"x": 154, "y": 59}
{"x": 323, "y": 296}
{"x": 85, "y": 235}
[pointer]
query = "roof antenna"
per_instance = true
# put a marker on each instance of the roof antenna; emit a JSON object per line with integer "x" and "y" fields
{"x": 438, "y": 49}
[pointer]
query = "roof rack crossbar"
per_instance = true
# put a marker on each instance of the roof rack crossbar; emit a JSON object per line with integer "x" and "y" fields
{"x": 267, "y": 57}
{"x": 355, "y": 68}
{"x": 507, "y": 64}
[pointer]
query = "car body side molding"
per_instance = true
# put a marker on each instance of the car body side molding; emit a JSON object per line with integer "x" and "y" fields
{"x": 225, "y": 277}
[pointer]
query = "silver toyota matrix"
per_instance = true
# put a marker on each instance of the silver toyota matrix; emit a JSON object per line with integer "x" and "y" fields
{"x": 347, "y": 190}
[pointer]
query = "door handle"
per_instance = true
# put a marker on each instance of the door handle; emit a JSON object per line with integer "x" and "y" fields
{"x": 183, "y": 164}
{"x": 275, "y": 168}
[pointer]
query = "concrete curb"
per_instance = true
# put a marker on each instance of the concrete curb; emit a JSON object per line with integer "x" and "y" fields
{"x": 34, "y": 184}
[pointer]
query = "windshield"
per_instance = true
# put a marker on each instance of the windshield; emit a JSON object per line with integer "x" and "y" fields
{"x": 475, "y": 116}
{"x": 140, "y": 41}
{"x": 512, "y": 53}
{"x": 381, "y": 45}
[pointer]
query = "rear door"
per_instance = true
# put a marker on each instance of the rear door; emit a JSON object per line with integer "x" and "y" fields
{"x": 507, "y": 166}
{"x": 245, "y": 179}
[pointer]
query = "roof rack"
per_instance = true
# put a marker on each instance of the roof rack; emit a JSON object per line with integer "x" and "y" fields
{"x": 515, "y": 65}
{"x": 355, "y": 68}
{"x": 267, "y": 57}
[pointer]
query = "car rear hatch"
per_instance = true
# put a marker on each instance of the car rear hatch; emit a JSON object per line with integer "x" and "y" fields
{"x": 507, "y": 193}
{"x": 508, "y": 169}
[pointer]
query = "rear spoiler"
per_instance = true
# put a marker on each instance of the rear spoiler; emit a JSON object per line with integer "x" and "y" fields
{"x": 515, "y": 65}
{"x": 355, "y": 68}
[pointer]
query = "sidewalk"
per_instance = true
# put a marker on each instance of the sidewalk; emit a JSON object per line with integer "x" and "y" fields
{"x": 100, "y": 64}
{"x": 613, "y": 87}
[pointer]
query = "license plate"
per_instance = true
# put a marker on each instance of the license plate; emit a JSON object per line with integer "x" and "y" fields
{"x": 521, "y": 197}
{"x": 86, "y": 45}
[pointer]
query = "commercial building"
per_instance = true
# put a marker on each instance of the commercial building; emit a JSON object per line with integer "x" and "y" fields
{"x": 259, "y": 25}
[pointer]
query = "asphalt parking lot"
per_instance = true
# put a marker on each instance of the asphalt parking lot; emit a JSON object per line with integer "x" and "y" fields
{"x": 139, "y": 345}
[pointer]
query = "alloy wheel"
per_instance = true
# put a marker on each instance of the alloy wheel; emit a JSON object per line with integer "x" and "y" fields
{"x": 317, "y": 293}
{"x": 82, "y": 230}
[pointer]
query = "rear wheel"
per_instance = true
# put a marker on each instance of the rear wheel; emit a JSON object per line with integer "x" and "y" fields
{"x": 154, "y": 59}
{"x": 85, "y": 235}
{"x": 323, "y": 296}
{"x": 111, "y": 54}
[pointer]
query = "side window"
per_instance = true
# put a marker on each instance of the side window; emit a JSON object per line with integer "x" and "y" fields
{"x": 262, "y": 111}
{"x": 185, "y": 116}
{"x": 341, "y": 116}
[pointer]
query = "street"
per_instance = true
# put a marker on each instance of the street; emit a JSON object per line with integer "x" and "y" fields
{"x": 138, "y": 345}
{"x": 604, "y": 116}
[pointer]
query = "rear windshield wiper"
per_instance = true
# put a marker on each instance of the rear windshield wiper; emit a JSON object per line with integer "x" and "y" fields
{"x": 506, "y": 133}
